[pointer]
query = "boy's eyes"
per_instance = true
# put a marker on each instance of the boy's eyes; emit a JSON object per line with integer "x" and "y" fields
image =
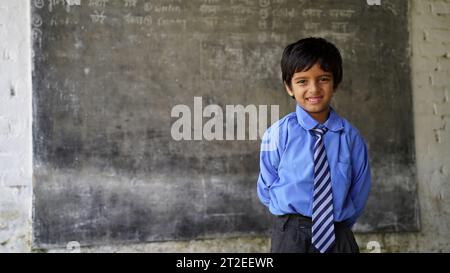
{"x": 322, "y": 80}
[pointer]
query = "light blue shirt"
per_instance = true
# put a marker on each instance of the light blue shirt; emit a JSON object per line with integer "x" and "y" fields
{"x": 285, "y": 182}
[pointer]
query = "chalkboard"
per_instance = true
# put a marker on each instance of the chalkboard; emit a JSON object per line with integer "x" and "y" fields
{"x": 107, "y": 76}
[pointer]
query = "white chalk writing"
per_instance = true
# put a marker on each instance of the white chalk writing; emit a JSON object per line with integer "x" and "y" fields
{"x": 130, "y": 3}
{"x": 263, "y": 14}
{"x": 209, "y": 9}
{"x": 311, "y": 26}
{"x": 172, "y": 22}
{"x": 54, "y": 3}
{"x": 56, "y": 21}
{"x": 168, "y": 8}
{"x": 284, "y": 13}
{"x": 312, "y": 12}
{"x": 162, "y": 8}
{"x": 242, "y": 10}
{"x": 98, "y": 17}
{"x": 73, "y": 2}
{"x": 37, "y": 36}
{"x": 341, "y": 13}
{"x": 39, "y": 4}
{"x": 246, "y": 2}
{"x": 138, "y": 20}
{"x": 211, "y": 22}
{"x": 373, "y": 2}
{"x": 240, "y": 21}
{"x": 339, "y": 26}
{"x": 98, "y": 3}
{"x": 264, "y": 3}
{"x": 37, "y": 20}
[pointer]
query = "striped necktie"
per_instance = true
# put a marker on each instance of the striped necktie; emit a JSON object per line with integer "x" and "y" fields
{"x": 322, "y": 213}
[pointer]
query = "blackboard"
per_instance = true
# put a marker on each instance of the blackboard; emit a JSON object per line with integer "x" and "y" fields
{"x": 107, "y": 75}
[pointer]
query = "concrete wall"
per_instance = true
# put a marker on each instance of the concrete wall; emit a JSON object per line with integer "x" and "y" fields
{"x": 430, "y": 40}
{"x": 15, "y": 126}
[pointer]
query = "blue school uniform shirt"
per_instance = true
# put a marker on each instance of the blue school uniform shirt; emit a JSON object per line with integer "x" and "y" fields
{"x": 286, "y": 179}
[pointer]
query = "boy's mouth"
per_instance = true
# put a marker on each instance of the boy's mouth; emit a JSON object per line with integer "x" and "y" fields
{"x": 314, "y": 100}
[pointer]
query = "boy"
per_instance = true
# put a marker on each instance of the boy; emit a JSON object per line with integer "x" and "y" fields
{"x": 316, "y": 178}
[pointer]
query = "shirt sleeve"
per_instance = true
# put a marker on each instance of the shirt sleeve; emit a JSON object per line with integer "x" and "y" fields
{"x": 360, "y": 188}
{"x": 269, "y": 161}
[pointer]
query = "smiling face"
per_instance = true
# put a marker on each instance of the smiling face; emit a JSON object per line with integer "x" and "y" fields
{"x": 313, "y": 90}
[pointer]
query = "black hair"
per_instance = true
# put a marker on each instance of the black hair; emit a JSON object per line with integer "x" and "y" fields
{"x": 303, "y": 54}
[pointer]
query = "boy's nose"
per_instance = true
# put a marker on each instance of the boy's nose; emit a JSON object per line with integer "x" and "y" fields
{"x": 314, "y": 86}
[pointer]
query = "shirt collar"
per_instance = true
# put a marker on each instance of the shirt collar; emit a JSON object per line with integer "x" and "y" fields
{"x": 333, "y": 123}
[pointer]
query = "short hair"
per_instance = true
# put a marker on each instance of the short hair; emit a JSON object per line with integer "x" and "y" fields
{"x": 303, "y": 54}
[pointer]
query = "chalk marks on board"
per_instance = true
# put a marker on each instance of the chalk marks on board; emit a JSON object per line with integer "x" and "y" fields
{"x": 268, "y": 18}
{"x": 138, "y": 20}
{"x": 98, "y": 17}
{"x": 39, "y": 4}
{"x": 226, "y": 61}
{"x": 98, "y": 3}
{"x": 36, "y": 32}
{"x": 36, "y": 20}
{"x": 130, "y": 3}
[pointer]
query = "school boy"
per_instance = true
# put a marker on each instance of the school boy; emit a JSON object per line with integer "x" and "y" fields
{"x": 314, "y": 165}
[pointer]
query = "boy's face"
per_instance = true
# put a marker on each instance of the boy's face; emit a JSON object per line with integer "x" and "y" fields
{"x": 313, "y": 90}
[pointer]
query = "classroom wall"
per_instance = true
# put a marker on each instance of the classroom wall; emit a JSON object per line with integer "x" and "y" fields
{"x": 430, "y": 63}
{"x": 15, "y": 127}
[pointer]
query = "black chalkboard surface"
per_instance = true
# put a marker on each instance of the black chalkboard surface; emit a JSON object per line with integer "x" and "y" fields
{"x": 107, "y": 75}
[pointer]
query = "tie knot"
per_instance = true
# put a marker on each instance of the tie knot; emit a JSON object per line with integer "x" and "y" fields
{"x": 319, "y": 132}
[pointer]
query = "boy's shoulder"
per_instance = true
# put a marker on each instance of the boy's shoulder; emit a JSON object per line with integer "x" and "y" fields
{"x": 286, "y": 120}
{"x": 276, "y": 135}
{"x": 277, "y": 131}
{"x": 351, "y": 131}
{"x": 290, "y": 119}
{"x": 282, "y": 123}
{"x": 349, "y": 127}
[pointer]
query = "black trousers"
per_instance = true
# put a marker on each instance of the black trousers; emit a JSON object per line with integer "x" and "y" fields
{"x": 291, "y": 233}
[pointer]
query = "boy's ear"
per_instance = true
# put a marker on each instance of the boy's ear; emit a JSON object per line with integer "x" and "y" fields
{"x": 288, "y": 90}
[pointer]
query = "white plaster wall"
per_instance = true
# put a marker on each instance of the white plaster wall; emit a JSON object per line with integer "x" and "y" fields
{"x": 15, "y": 127}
